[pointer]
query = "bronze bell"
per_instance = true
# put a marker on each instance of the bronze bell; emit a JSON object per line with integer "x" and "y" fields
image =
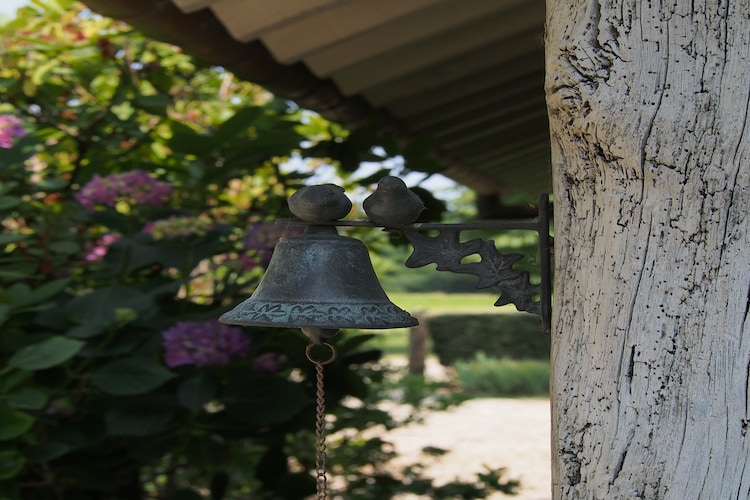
{"x": 319, "y": 281}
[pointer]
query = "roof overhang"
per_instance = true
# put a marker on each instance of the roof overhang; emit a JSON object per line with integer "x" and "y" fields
{"x": 469, "y": 73}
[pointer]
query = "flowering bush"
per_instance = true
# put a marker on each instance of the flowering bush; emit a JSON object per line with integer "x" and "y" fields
{"x": 203, "y": 343}
{"x": 132, "y": 188}
{"x": 120, "y": 235}
{"x": 136, "y": 202}
{"x": 10, "y": 127}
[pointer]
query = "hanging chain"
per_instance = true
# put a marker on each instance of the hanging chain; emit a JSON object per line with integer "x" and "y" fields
{"x": 320, "y": 422}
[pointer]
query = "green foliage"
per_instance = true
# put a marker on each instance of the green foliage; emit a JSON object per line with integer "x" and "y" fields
{"x": 87, "y": 406}
{"x": 461, "y": 336}
{"x": 503, "y": 377}
{"x": 135, "y": 204}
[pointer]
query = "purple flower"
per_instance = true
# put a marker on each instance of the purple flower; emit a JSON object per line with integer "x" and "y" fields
{"x": 135, "y": 187}
{"x": 97, "y": 249}
{"x": 203, "y": 343}
{"x": 10, "y": 127}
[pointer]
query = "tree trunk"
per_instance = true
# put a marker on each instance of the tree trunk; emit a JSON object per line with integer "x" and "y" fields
{"x": 651, "y": 161}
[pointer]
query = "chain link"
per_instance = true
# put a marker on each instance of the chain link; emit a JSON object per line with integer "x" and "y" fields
{"x": 321, "y": 453}
{"x": 320, "y": 435}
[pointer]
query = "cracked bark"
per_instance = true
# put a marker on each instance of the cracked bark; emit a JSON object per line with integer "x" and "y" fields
{"x": 651, "y": 157}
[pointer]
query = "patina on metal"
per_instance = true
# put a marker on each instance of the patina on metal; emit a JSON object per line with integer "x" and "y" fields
{"x": 320, "y": 281}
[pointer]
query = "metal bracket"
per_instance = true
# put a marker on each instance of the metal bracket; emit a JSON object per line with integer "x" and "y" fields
{"x": 495, "y": 269}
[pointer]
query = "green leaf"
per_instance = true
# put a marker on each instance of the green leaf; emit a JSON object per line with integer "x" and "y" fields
{"x": 7, "y": 202}
{"x": 64, "y": 247}
{"x": 46, "y": 354}
{"x": 101, "y": 306}
{"x": 129, "y": 255}
{"x": 51, "y": 184}
{"x": 49, "y": 290}
{"x": 240, "y": 122}
{"x": 14, "y": 379}
{"x": 195, "y": 392}
{"x": 260, "y": 399}
{"x": 187, "y": 141}
{"x": 23, "y": 296}
{"x": 86, "y": 330}
{"x": 47, "y": 451}
{"x": 156, "y": 104}
{"x": 7, "y": 187}
{"x": 123, "y": 111}
{"x": 129, "y": 376}
{"x": 13, "y": 423}
{"x": 28, "y": 398}
{"x": 41, "y": 72}
{"x": 13, "y": 238}
{"x": 20, "y": 295}
{"x": 11, "y": 463}
{"x": 132, "y": 422}
{"x": 4, "y": 310}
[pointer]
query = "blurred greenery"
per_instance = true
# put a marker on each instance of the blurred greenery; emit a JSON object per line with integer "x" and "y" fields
{"x": 461, "y": 336}
{"x": 95, "y": 270}
{"x": 485, "y": 376}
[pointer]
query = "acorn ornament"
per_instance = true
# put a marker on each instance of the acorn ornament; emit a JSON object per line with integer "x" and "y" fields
{"x": 392, "y": 204}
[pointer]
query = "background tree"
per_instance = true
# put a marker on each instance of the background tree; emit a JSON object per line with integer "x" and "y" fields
{"x": 648, "y": 107}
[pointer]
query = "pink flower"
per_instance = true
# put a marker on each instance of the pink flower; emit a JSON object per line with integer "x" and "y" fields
{"x": 135, "y": 187}
{"x": 203, "y": 343}
{"x": 96, "y": 250}
{"x": 10, "y": 127}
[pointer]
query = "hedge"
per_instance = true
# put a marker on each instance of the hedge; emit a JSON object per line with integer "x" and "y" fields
{"x": 462, "y": 336}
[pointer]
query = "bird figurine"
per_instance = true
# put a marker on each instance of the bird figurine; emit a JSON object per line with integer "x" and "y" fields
{"x": 392, "y": 204}
{"x": 321, "y": 203}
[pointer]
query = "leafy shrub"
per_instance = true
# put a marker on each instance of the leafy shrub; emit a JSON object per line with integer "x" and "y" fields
{"x": 461, "y": 336}
{"x": 503, "y": 377}
{"x": 137, "y": 189}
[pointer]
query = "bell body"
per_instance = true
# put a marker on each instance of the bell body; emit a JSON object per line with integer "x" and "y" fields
{"x": 321, "y": 280}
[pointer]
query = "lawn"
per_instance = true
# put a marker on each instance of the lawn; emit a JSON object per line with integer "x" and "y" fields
{"x": 438, "y": 302}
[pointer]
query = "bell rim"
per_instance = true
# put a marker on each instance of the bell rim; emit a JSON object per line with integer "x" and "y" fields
{"x": 329, "y": 315}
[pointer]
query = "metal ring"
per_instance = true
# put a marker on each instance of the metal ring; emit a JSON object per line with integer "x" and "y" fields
{"x": 308, "y": 352}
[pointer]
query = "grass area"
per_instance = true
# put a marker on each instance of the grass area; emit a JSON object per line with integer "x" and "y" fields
{"x": 436, "y": 302}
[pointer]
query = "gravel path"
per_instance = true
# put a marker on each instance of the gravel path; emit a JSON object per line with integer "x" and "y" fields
{"x": 497, "y": 432}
